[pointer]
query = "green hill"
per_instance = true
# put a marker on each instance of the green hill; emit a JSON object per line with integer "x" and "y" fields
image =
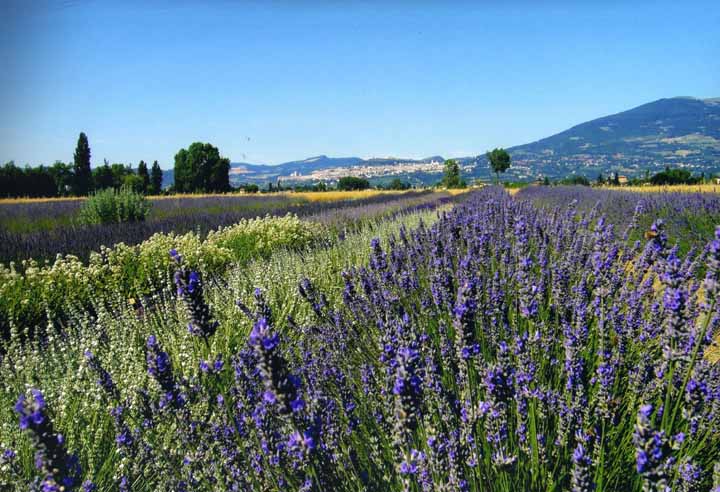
{"x": 676, "y": 132}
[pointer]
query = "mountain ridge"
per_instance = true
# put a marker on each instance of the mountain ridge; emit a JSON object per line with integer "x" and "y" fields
{"x": 680, "y": 131}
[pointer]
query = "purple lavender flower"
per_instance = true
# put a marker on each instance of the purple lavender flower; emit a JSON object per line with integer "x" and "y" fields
{"x": 652, "y": 452}
{"x": 690, "y": 479}
{"x": 105, "y": 380}
{"x": 279, "y": 384}
{"x": 317, "y": 300}
{"x": 302, "y": 441}
{"x": 581, "y": 476}
{"x": 190, "y": 290}
{"x": 58, "y": 469}
{"x": 378, "y": 258}
{"x": 159, "y": 365}
{"x": 407, "y": 386}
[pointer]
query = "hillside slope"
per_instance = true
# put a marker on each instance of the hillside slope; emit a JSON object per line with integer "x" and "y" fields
{"x": 680, "y": 131}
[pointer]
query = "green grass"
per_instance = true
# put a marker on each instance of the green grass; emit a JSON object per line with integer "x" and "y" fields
{"x": 25, "y": 225}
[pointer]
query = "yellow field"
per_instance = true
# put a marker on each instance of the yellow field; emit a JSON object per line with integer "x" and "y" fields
{"x": 38, "y": 200}
{"x": 332, "y": 196}
{"x": 700, "y": 188}
{"x": 454, "y": 192}
{"x": 313, "y": 196}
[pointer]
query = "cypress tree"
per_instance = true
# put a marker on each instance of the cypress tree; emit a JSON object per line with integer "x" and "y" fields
{"x": 156, "y": 179}
{"x": 81, "y": 167}
{"x": 143, "y": 173}
{"x": 103, "y": 176}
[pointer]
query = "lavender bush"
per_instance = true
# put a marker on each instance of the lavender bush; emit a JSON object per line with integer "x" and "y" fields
{"x": 501, "y": 347}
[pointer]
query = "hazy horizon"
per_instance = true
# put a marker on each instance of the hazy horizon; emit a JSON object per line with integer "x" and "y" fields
{"x": 272, "y": 82}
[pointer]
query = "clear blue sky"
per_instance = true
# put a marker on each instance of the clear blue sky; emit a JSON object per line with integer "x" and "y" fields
{"x": 268, "y": 82}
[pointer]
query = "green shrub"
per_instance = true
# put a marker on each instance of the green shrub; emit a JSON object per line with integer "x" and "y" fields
{"x": 114, "y": 206}
{"x": 350, "y": 183}
{"x": 259, "y": 237}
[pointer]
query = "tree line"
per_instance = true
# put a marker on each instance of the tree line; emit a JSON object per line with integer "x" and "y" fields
{"x": 198, "y": 169}
{"x": 669, "y": 176}
{"x": 77, "y": 178}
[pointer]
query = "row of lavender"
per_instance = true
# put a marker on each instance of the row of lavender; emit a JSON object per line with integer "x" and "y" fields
{"x": 689, "y": 217}
{"x": 179, "y": 216}
{"x": 64, "y": 210}
{"x": 503, "y": 348}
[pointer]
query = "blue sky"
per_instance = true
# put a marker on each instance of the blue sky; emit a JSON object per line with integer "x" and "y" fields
{"x": 268, "y": 82}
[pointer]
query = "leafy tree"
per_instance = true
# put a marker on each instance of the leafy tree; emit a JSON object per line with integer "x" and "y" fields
{"x": 103, "y": 177}
{"x": 39, "y": 182}
{"x": 28, "y": 181}
{"x": 452, "y": 179}
{"x": 251, "y": 188}
{"x": 10, "y": 176}
{"x": 156, "y": 178}
{"x": 576, "y": 180}
{"x": 62, "y": 174}
{"x": 398, "y": 184}
{"x": 673, "y": 177}
{"x": 142, "y": 172}
{"x": 200, "y": 168}
{"x": 134, "y": 183}
{"x": 348, "y": 183}
{"x": 119, "y": 171}
{"x": 321, "y": 186}
{"x": 81, "y": 167}
{"x": 499, "y": 161}
{"x": 600, "y": 179}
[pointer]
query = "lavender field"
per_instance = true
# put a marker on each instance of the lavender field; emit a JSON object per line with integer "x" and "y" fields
{"x": 563, "y": 338}
{"x": 41, "y": 230}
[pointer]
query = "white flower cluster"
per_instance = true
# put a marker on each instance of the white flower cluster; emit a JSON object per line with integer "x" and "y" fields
{"x": 34, "y": 291}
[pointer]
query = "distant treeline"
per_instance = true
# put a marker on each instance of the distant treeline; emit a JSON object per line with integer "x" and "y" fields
{"x": 77, "y": 179}
{"x": 60, "y": 180}
{"x": 40, "y": 181}
{"x": 669, "y": 176}
{"x": 676, "y": 176}
{"x": 346, "y": 183}
{"x": 198, "y": 169}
